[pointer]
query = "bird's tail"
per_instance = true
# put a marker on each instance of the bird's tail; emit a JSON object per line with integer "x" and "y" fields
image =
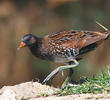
{"x": 107, "y": 31}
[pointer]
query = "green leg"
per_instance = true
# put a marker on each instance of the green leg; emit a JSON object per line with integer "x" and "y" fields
{"x": 65, "y": 83}
{"x": 61, "y": 68}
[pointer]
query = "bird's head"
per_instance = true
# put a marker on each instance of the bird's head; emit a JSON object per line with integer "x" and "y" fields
{"x": 28, "y": 40}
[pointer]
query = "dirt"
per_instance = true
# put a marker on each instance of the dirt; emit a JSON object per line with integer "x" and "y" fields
{"x": 32, "y": 90}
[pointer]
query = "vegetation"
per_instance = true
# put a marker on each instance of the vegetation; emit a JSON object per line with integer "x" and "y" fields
{"x": 98, "y": 84}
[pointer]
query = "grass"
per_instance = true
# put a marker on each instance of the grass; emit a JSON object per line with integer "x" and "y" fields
{"x": 42, "y": 95}
{"x": 98, "y": 84}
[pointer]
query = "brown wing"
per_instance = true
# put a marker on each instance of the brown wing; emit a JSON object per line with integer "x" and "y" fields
{"x": 93, "y": 37}
{"x": 63, "y": 42}
{"x": 72, "y": 39}
{"x": 75, "y": 39}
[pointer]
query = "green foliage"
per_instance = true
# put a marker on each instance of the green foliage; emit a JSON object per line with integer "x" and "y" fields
{"x": 98, "y": 84}
{"x": 22, "y": 98}
{"x": 42, "y": 95}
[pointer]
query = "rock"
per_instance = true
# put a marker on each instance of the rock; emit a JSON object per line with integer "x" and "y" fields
{"x": 31, "y": 90}
{"x": 8, "y": 95}
{"x": 25, "y": 90}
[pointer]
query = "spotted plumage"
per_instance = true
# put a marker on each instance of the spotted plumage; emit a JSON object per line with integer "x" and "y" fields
{"x": 70, "y": 44}
{"x": 64, "y": 46}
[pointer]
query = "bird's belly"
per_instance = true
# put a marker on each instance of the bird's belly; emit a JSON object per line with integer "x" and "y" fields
{"x": 58, "y": 59}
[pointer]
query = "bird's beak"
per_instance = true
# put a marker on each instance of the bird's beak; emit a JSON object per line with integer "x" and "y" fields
{"x": 22, "y": 45}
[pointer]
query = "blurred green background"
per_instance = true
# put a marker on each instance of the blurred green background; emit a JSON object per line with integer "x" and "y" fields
{"x": 42, "y": 17}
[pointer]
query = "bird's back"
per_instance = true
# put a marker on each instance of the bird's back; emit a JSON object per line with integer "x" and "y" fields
{"x": 70, "y": 44}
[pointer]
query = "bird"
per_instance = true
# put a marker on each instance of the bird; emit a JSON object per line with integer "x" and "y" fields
{"x": 66, "y": 47}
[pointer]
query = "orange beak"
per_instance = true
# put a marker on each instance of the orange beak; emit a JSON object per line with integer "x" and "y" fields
{"x": 22, "y": 45}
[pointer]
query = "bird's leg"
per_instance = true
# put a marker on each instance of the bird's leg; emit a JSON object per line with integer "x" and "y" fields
{"x": 71, "y": 71}
{"x": 61, "y": 68}
{"x": 65, "y": 83}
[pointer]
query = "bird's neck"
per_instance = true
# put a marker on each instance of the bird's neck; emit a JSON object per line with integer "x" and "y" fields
{"x": 36, "y": 48}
